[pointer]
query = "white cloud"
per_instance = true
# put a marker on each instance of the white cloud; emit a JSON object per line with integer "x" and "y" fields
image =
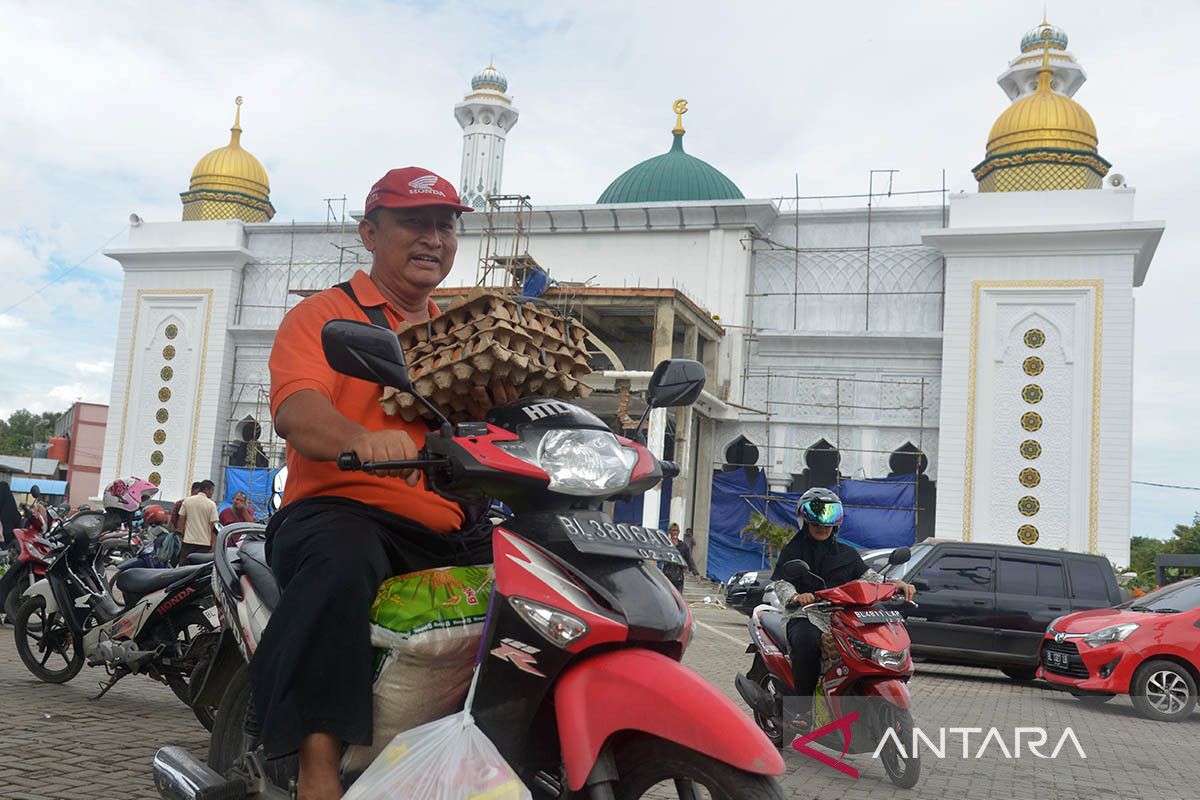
{"x": 128, "y": 96}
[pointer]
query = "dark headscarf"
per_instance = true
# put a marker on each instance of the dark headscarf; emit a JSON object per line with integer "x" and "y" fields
{"x": 10, "y": 517}
{"x": 833, "y": 560}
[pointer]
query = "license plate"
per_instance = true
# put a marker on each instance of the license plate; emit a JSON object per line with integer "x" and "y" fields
{"x": 599, "y": 535}
{"x": 1057, "y": 659}
{"x": 878, "y": 616}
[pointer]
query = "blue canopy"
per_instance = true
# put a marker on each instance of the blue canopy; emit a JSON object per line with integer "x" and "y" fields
{"x": 256, "y": 483}
{"x": 878, "y": 514}
{"x": 45, "y": 486}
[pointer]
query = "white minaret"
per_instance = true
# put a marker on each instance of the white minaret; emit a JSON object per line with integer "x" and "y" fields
{"x": 486, "y": 116}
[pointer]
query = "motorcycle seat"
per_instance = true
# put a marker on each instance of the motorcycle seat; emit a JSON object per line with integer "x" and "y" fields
{"x": 143, "y": 580}
{"x": 199, "y": 558}
{"x": 253, "y": 560}
{"x": 776, "y": 628}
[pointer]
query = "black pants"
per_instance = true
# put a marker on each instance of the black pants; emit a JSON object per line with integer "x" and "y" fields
{"x": 804, "y": 648}
{"x": 312, "y": 671}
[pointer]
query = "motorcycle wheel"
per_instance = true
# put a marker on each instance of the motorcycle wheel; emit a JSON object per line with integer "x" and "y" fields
{"x": 229, "y": 741}
{"x": 183, "y": 629}
{"x": 40, "y": 636}
{"x": 653, "y": 767}
{"x": 776, "y": 689}
{"x": 903, "y": 770}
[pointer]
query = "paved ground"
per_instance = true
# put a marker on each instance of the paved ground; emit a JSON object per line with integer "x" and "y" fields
{"x": 55, "y": 743}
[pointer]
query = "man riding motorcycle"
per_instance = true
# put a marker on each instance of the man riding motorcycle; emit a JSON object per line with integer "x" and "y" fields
{"x": 819, "y": 513}
{"x": 340, "y": 534}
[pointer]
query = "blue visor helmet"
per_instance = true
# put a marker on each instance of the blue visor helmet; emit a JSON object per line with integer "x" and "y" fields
{"x": 821, "y": 507}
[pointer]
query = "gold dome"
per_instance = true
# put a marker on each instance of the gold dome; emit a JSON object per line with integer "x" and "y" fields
{"x": 1042, "y": 142}
{"x": 229, "y": 183}
{"x": 1043, "y": 119}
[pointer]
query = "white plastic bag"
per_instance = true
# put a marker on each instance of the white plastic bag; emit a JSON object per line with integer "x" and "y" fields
{"x": 447, "y": 759}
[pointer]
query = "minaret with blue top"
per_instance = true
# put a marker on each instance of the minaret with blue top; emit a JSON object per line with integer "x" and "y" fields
{"x": 486, "y": 116}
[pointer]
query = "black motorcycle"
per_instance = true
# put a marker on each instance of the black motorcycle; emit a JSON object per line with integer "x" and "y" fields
{"x": 161, "y": 630}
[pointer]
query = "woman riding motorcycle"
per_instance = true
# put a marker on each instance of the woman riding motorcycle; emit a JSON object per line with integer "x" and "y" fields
{"x": 819, "y": 513}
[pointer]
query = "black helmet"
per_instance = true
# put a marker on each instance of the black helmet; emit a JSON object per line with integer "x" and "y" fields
{"x": 820, "y": 506}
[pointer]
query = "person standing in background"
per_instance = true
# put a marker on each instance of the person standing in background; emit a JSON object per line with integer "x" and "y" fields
{"x": 179, "y": 504}
{"x": 10, "y": 516}
{"x": 687, "y": 549}
{"x": 196, "y": 518}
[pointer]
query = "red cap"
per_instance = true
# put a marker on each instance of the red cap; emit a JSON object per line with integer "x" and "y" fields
{"x": 409, "y": 187}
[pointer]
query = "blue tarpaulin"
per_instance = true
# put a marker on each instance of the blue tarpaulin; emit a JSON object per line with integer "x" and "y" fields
{"x": 256, "y": 483}
{"x": 630, "y": 511}
{"x": 45, "y": 486}
{"x": 878, "y": 514}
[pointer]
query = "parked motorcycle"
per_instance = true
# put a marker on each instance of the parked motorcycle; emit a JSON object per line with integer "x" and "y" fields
{"x": 27, "y": 561}
{"x": 865, "y": 668}
{"x": 69, "y": 616}
{"x": 580, "y": 686}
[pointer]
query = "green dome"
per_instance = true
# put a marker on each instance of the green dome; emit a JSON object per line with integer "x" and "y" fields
{"x": 672, "y": 176}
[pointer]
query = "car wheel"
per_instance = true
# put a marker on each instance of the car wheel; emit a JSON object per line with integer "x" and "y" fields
{"x": 1020, "y": 673}
{"x": 1163, "y": 690}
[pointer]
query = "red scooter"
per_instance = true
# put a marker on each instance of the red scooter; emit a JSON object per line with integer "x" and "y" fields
{"x": 865, "y": 667}
{"x": 580, "y": 686}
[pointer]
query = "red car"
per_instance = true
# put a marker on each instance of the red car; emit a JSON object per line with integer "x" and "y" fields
{"x": 1147, "y": 648}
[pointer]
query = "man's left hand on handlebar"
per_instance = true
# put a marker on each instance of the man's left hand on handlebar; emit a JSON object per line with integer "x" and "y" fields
{"x": 907, "y": 589}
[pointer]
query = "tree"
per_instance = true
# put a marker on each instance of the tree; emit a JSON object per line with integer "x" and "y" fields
{"x": 1143, "y": 549}
{"x": 768, "y": 534}
{"x": 24, "y": 428}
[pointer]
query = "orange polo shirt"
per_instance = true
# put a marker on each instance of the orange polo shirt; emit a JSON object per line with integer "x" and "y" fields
{"x": 298, "y": 363}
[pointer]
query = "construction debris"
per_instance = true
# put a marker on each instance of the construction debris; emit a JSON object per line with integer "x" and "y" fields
{"x": 486, "y": 336}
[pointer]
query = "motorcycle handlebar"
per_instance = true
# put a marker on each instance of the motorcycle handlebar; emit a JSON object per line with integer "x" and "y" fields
{"x": 348, "y": 462}
{"x": 670, "y": 469}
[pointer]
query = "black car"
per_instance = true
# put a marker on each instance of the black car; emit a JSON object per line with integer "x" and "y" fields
{"x": 745, "y": 589}
{"x": 990, "y": 604}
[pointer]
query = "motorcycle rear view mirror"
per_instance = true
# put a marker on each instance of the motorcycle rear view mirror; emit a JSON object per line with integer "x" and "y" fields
{"x": 365, "y": 351}
{"x": 370, "y": 353}
{"x": 900, "y": 555}
{"x": 796, "y": 570}
{"x": 675, "y": 382}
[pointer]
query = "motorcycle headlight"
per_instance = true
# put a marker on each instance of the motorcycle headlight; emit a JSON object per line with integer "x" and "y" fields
{"x": 889, "y": 659}
{"x": 748, "y": 578}
{"x": 1113, "y": 633}
{"x": 578, "y": 461}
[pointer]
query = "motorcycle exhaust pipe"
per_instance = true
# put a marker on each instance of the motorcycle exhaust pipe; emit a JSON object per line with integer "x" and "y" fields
{"x": 179, "y": 776}
{"x": 754, "y": 695}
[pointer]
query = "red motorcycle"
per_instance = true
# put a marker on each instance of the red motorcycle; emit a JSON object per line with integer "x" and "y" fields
{"x": 580, "y": 686}
{"x": 866, "y": 664}
{"x": 28, "y": 558}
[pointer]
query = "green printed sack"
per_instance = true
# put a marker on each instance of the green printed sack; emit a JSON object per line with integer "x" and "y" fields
{"x": 434, "y": 613}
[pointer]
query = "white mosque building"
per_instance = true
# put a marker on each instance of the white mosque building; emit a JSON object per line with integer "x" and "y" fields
{"x": 984, "y": 345}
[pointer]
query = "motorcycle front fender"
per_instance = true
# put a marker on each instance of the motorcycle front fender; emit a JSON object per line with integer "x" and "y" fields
{"x": 891, "y": 691}
{"x": 641, "y": 690}
{"x": 43, "y": 589}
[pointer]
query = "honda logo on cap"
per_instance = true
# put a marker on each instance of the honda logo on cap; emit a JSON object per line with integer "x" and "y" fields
{"x": 425, "y": 185}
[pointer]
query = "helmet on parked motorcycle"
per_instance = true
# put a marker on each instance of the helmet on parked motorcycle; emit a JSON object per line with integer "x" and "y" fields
{"x": 155, "y": 515}
{"x": 128, "y": 495}
{"x": 821, "y": 507}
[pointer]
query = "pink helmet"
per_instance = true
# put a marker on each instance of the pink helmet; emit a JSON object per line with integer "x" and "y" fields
{"x": 128, "y": 495}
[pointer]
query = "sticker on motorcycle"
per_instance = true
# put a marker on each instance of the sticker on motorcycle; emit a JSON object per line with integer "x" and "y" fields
{"x": 520, "y": 655}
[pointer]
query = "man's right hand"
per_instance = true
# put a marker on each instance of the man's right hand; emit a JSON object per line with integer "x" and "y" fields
{"x": 802, "y": 599}
{"x": 387, "y": 445}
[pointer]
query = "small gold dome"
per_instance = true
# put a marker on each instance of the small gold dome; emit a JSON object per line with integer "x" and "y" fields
{"x": 1043, "y": 119}
{"x": 229, "y": 183}
{"x": 1044, "y": 141}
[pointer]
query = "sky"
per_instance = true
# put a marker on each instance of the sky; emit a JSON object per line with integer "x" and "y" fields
{"x": 105, "y": 107}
